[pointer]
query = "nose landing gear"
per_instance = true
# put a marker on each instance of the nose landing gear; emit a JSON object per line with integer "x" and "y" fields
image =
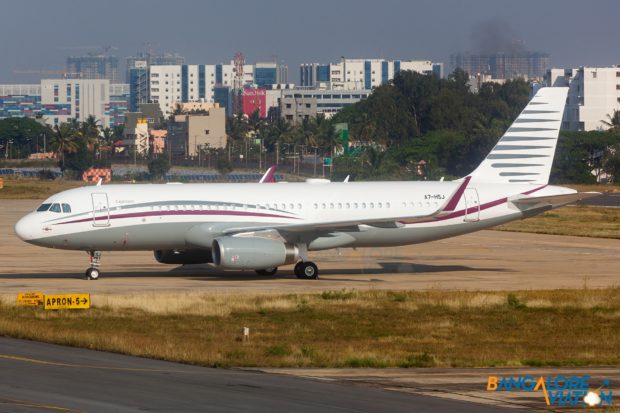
{"x": 93, "y": 272}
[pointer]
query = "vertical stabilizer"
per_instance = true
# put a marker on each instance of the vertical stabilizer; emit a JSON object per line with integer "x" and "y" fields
{"x": 525, "y": 153}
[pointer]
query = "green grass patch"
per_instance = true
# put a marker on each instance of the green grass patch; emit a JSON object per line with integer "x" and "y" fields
{"x": 365, "y": 329}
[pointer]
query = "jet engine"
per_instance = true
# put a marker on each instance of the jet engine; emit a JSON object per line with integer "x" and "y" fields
{"x": 196, "y": 256}
{"x": 252, "y": 253}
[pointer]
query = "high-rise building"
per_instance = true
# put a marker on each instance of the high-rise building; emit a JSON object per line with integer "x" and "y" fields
{"x": 58, "y": 100}
{"x": 529, "y": 65}
{"x": 270, "y": 73}
{"x": 94, "y": 67}
{"x": 593, "y": 95}
{"x": 80, "y": 98}
{"x": 359, "y": 73}
{"x": 146, "y": 59}
{"x": 172, "y": 84}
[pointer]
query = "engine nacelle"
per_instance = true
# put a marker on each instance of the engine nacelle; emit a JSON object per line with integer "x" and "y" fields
{"x": 254, "y": 253}
{"x": 183, "y": 256}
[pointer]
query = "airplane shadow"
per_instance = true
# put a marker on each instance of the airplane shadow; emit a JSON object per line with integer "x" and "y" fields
{"x": 206, "y": 273}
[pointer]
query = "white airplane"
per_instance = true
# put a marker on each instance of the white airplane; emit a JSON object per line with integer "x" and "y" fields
{"x": 261, "y": 227}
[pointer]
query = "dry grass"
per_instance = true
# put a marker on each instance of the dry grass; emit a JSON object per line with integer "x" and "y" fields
{"x": 342, "y": 328}
{"x": 582, "y": 221}
{"x": 594, "y": 187}
{"x": 33, "y": 188}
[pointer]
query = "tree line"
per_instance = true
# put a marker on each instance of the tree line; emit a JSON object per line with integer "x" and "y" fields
{"x": 414, "y": 127}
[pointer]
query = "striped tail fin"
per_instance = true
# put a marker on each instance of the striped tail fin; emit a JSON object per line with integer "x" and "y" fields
{"x": 525, "y": 153}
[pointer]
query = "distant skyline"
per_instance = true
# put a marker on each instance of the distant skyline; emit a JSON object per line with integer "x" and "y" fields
{"x": 40, "y": 34}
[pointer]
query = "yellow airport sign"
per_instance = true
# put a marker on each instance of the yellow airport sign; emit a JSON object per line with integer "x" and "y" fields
{"x": 29, "y": 298}
{"x": 66, "y": 301}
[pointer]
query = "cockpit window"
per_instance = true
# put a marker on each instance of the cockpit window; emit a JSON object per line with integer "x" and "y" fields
{"x": 55, "y": 208}
{"x": 66, "y": 208}
{"x": 44, "y": 207}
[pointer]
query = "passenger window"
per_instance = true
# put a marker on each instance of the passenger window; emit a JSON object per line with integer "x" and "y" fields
{"x": 363, "y": 205}
{"x": 348, "y": 206}
{"x": 372, "y": 205}
{"x": 55, "y": 208}
{"x": 66, "y": 208}
{"x": 298, "y": 206}
{"x": 387, "y": 205}
{"x": 355, "y": 205}
{"x": 339, "y": 206}
{"x": 331, "y": 206}
{"x": 291, "y": 206}
{"x": 44, "y": 207}
{"x": 316, "y": 206}
{"x": 380, "y": 205}
{"x": 323, "y": 206}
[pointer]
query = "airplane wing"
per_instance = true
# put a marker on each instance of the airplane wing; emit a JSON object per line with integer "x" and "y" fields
{"x": 525, "y": 202}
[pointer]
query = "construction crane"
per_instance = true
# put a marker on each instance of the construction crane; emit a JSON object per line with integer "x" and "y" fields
{"x": 37, "y": 72}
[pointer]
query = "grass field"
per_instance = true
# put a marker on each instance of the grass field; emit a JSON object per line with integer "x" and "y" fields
{"x": 582, "y": 221}
{"x": 342, "y": 328}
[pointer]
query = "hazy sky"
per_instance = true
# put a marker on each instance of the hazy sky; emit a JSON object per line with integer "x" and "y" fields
{"x": 40, "y": 34}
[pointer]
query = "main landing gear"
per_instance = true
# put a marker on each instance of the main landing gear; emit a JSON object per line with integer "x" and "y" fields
{"x": 306, "y": 270}
{"x": 93, "y": 272}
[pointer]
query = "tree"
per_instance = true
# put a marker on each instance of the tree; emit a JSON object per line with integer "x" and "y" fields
{"x": 613, "y": 121}
{"x": 64, "y": 141}
{"x": 20, "y": 137}
{"x": 159, "y": 167}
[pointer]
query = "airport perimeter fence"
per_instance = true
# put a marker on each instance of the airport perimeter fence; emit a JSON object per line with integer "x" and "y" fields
{"x": 185, "y": 176}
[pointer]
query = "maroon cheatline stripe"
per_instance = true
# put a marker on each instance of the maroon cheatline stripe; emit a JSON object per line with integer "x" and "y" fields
{"x": 462, "y": 212}
{"x": 454, "y": 201}
{"x": 159, "y": 213}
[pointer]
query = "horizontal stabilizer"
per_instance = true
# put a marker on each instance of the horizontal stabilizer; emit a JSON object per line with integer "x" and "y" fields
{"x": 526, "y": 202}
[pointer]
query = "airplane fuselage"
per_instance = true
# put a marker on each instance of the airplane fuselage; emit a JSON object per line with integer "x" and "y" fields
{"x": 161, "y": 216}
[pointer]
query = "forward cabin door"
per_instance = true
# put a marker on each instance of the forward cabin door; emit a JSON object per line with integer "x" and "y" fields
{"x": 101, "y": 210}
{"x": 472, "y": 205}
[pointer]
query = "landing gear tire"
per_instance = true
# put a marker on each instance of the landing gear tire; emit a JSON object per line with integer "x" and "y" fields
{"x": 92, "y": 274}
{"x": 306, "y": 270}
{"x": 267, "y": 271}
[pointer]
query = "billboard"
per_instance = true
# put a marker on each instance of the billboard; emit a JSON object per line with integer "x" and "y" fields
{"x": 253, "y": 100}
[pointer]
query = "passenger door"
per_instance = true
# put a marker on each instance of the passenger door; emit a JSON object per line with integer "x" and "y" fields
{"x": 472, "y": 205}
{"x": 101, "y": 210}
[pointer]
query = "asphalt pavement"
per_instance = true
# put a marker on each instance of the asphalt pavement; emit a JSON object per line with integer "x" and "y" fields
{"x": 38, "y": 377}
{"x": 606, "y": 200}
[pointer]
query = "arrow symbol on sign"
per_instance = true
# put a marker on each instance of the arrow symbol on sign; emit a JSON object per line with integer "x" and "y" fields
{"x": 84, "y": 300}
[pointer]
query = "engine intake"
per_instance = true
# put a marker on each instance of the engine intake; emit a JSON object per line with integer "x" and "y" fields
{"x": 197, "y": 256}
{"x": 242, "y": 253}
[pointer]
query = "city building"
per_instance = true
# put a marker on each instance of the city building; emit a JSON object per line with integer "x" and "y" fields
{"x": 170, "y": 84}
{"x": 93, "y": 67}
{"x": 147, "y": 59}
{"x": 76, "y": 99}
{"x": 26, "y": 101}
{"x": 270, "y": 73}
{"x": 21, "y": 101}
{"x": 255, "y": 99}
{"x": 119, "y": 103}
{"x": 188, "y": 134}
{"x": 528, "y": 65}
{"x": 359, "y": 74}
{"x": 299, "y": 104}
{"x": 594, "y": 94}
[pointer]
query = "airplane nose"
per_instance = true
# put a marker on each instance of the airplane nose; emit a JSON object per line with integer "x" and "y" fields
{"x": 23, "y": 230}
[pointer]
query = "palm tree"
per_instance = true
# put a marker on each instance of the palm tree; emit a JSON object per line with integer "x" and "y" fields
{"x": 90, "y": 132}
{"x": 613, "y": 121}
{"x": 64, "y": 141}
